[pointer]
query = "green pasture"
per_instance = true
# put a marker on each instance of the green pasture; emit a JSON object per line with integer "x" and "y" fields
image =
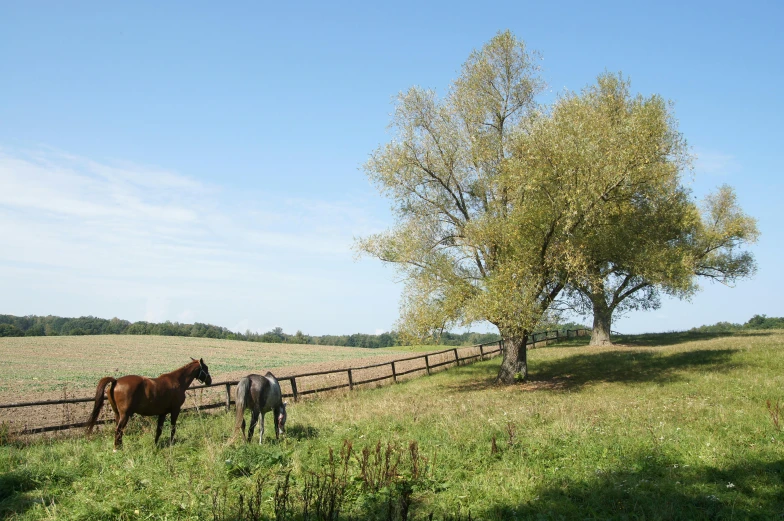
{"x": 672, "y": 426}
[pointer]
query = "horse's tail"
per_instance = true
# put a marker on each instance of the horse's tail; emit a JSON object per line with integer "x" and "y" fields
{"x": 100, "y": 393}
{"x": 243, "y": 390}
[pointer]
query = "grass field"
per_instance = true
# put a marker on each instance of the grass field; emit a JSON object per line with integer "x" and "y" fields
{"x": 663, "y": 427}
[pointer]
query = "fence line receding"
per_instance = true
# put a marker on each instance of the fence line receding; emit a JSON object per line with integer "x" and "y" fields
{"x": 352, "y": 377}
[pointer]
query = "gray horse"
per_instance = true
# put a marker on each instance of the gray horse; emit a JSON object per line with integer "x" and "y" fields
{"x": 260, "y": 394}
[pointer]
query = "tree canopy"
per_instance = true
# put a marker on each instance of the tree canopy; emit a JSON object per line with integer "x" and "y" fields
{"x": 498, "y": 200}
{"x": 664, "y": 248}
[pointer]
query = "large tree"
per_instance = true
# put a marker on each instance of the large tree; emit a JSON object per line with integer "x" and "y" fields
{"x": 664, "y": 247}
{"x": 641, "y": 251}
{"x": 496, "y": 197}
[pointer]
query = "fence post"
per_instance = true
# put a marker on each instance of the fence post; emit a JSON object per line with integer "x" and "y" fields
{"x": 350, "y": 381}
{"x": 457, "y": 358}
{"x": 427, "y": 364}
{"x": 228, "y": 396}
{"x": 394, "y": 373}
{"x": 481, "y": 352}
{"x": 294, "y": 389}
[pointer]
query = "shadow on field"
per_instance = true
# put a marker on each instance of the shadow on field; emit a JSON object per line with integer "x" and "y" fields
{"x": 669, "y": 339}
{"x": 14, "y": 487}
{"x": 301, "y": 432}
{"x": 571, "y": 373}
{"x": 481, "y": 377}
{"x": 656, "y": 487}
{"x": 657, "y": 339}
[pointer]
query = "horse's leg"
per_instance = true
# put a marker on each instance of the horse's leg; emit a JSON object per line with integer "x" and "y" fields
{"x": 159, "y": 429}
{"x": 118, "y": 432}
{"x": 243, "y": 429}
{"x": 114, "y": 408}
{"x": 174, "y": 415}
{"x": 254, "y": 417}
{"x": 276, "y": 415}
{"x": 261, "y": 428}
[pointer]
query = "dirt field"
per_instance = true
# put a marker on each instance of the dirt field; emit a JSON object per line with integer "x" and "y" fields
{"x": 50, "y": 368}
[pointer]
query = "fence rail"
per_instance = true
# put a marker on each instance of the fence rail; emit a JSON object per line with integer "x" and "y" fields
{"x": 536, "y": 339}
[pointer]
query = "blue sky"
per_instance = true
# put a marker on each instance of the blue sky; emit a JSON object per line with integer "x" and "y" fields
{"x": 196, "y": 162}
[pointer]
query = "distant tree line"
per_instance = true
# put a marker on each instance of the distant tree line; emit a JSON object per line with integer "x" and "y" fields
{"x": 755, "y": 322}
{"x": 33, "y": 325}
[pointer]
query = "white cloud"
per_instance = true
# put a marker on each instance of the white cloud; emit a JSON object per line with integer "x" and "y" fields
{"x": 716, "y": 163}
{"x": 177, "y": 245}
{"x": 64, "y": 186}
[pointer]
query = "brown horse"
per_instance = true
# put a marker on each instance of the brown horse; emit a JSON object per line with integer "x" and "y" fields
{"x": 160, "y": 396}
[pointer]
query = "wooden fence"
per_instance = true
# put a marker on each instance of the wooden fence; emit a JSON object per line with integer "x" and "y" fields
{"x": 352, "y": 377}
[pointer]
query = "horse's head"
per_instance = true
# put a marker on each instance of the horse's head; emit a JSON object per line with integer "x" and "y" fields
{"x": 281, "y": 419}
{"x": 204, "y": 372}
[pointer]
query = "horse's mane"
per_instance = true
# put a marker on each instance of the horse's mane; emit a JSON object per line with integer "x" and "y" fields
{"x": 180, "y": 369}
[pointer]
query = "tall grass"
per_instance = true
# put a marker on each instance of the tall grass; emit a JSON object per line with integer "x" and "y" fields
{"x": 664, "y": 427}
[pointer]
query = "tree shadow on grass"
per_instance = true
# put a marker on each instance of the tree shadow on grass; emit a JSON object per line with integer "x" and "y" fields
{"x": 14, "y": 488}
{"x": 658, "y": 339}
{"x": 681, "y": 337}
{"x": 630, "y": 366}
{"x": 572, "y": 373}
{"x": 480, "y": 377}
{"x": 655, "y": 487}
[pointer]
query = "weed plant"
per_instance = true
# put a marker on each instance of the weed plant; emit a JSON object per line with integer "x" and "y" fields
{"x": 679, "y": 429}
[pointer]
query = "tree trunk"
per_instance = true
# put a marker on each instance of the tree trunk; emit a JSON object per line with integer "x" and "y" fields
{"x": 602, "y": 320}
{"x": 514, "y": 367}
